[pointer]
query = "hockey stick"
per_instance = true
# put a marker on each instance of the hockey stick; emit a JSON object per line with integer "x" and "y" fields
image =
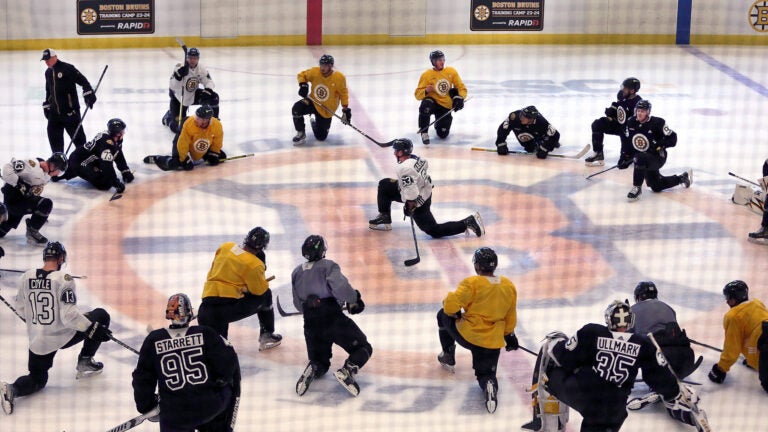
{"x": 424, "y": 129}
{"x": 181, "y": 103}
{"x": 743, "y": 179}
{"x": 699, "y": 416}
{"x": 132, "y": 423}
{"x": 578, "y": 155}
{"x": 600, "y": 172}
{"x": 80, "y": 125}
{"x": 282, "y": 311}
{"x": 123, "y": 344}
{"x": 10, "y": 306}
{"x": 386, "y": 144}
{"x": 238, "y": 157}
{"x": 528, "y": 351}
{"x": 705, "y": 345}
{"x": 24, "y": 271}
{"x": 116, "y": 196}
{"x": 413, "y": 261}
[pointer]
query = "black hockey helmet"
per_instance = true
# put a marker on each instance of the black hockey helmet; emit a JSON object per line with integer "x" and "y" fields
{"x": 434, "y": 55}
{"x": 736, "y": 290}
{"x": 257, "y": 238}
{"x": 485, "y": 259}
{"x": 193, "y": 52}
{"x": 631, "y": 83}
{"x": 403, "y": 144}
{"x": 314, "y": 248}
{"x": 646, "y": 290}
{"x": 205, "y": 112}
{"x": 644, "y": 105}
{"x": 618, "y": 314}
{"x": 530, "y": 111}
{"x": 115, "y": 126}
{"x": 179, "y": 310}
{"x": 54, "y": 251}
{"x": 58, "y": 161}
{"x": 326, "y": 59}
{"x": 3, "y": 213}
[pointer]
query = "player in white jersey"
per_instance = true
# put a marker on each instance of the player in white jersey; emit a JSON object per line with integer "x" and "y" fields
{"x": 184, "y": 90}
{"x": 22, "y": 193}
{"x": 46, "y": 299}
{"x": 413, "y": 186}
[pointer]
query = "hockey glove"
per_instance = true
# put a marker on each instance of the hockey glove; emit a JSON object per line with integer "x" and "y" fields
{"x": 155, "y": 409}
{"x": 409, "y": 207}
{"x": 90, "y": 98}
{"x": 541, "y": 152}
{"x": 716, "y": 375}
{"x": 502, "y": 149}
{"x": 24, "y": 188}
{"x": 98, "y": 332}
{"x": 625, "y": 161}
{"x": 680, "y": 409}
{"x": 212, "y": 158}
{"x": 182, "y": 72}
{"x": 127, "y": 175}
{"x": 511, "y": 341}
{"x": 610, "y": 112}
{"x": 346, "y": 115}
{"x": 46, "y": 109}
{"x": 303, "y": 89}
{"x": 356, "y": 307}
{"x": 187, "y": 164}
{"x": 119, "y": 186}
{"x": 458, "y": 101}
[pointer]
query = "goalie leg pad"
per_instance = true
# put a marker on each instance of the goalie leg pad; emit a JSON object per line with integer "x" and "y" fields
{"x": 554, "y": 414}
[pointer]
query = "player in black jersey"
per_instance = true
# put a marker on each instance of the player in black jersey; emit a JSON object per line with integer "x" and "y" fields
{"x": 196, "y": 371}
{"x": 647, "y": 140}
{"x": 532, "y": 131}
{"x": 615, "y": 119}
{"x": 93, "y": 161}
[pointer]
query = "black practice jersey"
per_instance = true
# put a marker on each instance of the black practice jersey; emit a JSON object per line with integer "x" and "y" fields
{"x": 607, "y": 362}
{"x": 99, "y": 154}
{"x": 538, "y": 129}
{"x": 653, "y": 136}
{"x": 60, "y": 90}
{"x": 623, "y": 108}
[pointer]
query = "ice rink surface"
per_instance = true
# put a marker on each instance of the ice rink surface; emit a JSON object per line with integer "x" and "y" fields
{"x": 570, "y": 245}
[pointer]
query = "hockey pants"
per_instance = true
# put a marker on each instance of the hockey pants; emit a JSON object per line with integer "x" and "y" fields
{"x": 218, "y": 312}
{"x": 647, "y": 168}
{"x": 320, "y": 126}
{"x": 427, "y": 109}
{"x": 321, "y": 332}
{"x": 484, "y": 360}
{"x": 57, "y": 124}
{"x": 388, "y": 192}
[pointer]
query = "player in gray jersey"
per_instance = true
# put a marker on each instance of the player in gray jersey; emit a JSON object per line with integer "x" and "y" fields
{"x": 319, "y": 290}
{"x": 46, "y": 299}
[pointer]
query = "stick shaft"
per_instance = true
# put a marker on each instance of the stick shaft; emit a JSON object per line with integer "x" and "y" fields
{"x": 743, "y": 179}
{"x": 603, "y": 171}
{"x": 705, "y": 345}
{"x": 85, "y": 112}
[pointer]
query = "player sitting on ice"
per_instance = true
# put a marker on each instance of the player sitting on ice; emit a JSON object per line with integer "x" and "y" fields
{"x": 201, "y": 139}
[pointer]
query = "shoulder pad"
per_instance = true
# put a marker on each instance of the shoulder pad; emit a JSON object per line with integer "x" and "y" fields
{"x": 110, "y": 142}
{"x": 32, "y": 163}
{"x": 512, "y": 116}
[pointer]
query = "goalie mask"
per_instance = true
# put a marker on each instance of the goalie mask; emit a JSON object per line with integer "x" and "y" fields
{"x": 179, "y": 310}
{"x": 618, "y": 315}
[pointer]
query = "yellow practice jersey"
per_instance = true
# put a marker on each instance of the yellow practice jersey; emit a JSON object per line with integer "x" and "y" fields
{"x": 443, "y": 81}
{"x": 328, "y": 91}
{"x": 743, "y": 325}
{"x": 197, "y": 141}
{"x": 490, "y": 309}
{"x": 234, "y": 272}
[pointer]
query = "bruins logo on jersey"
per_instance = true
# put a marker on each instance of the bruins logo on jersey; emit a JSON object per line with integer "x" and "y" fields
{"x": 621, "y": 115}
{"x": 191, "y": 84}
{"x": 37, "y": 190}
{"x": 551, "y": 131}
{"x": 321, "y": 92}
{"x": 202, "y": 145}
{"x": 524, "y": 137}
{"x": 640, "y": 142}
{"x": 442, "y": 86}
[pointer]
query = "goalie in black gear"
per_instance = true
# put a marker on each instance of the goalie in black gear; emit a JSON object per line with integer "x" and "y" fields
{"x": 319, "y": 291}
{"x": 532, "y": 131}
{"x": 195, "y": 370}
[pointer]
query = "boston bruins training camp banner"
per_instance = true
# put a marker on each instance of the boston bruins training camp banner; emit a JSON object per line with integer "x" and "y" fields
{"x": 115, "y": 17}
{"x": 488, "y": 15}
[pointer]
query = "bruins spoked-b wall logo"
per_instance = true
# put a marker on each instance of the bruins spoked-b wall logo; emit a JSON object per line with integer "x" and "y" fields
{"x": 88, "y": 16}
{"x": 758, "y": 16}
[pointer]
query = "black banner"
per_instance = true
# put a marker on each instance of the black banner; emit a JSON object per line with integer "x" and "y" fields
{"x": 489, "y": 15}
{"x": 115, "y": 17}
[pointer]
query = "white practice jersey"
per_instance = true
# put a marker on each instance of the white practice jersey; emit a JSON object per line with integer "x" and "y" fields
{"x": 413, "y": 180}
{"x": 29, "y": 171}
{"x": 47, "y": 301}
{"x": 196, "y": 76}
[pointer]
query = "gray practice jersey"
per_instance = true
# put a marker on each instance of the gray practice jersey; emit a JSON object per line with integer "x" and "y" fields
{"x": 47, "y": 301}
{"x": 652, "y": 315}
{"x": 322, "y": 278}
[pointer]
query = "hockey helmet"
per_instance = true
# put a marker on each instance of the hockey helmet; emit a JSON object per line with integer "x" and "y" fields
{"x": 205, "y": 112}
{"x": 54, "y": 251}
{"x": 257, "y": 238}
{"x": 618, "y": 314}
{"x": 403, "y": 144}
{"x": 435, "y": 55}
{"x": 736, "y": 290}
{"x": 3, "y": 213}
{"x": 115, "y": 126}
{"x": 646, "y": 290}
{"x": 179, "y": 310}
{"x": 314, "y": 248}
{"x": 193, "y": 52}
{"x": 326, "y": 59}
{"x": 58, "y": 161}
{"x": 643, "y": 105}
{"x": 631, "y": 83}
{"x": 530, "y": 112}
{"x": 485, "y": 259}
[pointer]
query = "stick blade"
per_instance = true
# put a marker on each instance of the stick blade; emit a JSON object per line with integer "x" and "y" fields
{"x": 116, "y": 196}
{"x": 412, "y": 262}
{"x": 386, "y": 144}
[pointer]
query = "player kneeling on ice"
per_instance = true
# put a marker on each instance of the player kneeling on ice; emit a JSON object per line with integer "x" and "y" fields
{"x": 441, "y": 91}
{"x": 329, "y": 88}
{"x": 201, "y": 139}
{"x": 195, "y": 370}
{"x": 319, "y": 290}
{"x": 93, "y": 161}
{"x": 532, "y": 131}
{"x": 47, "y": 302}
{"x": 184, "y": 90}
{"x": 593, "y": 372}
{"x": 615, "y": 120}
{"x": 646, "y": 146}
{"x": 413, "y": 187}
{"x": 480, "y": 316}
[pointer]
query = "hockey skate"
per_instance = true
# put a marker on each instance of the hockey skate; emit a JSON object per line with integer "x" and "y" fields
{"x": 425, "y": 138}
{"x": 475, "y": 224}
{"x": 447, "y": 359}
{"x": 300, "y": 138}
{"x": 490, "y": 396}
{"x": 686, "y": 178}
{"x": 269, "y": 341}
{"x": 34, "y": 237}
{"x": 309, "y": 375}
{"x": 7, "y": 392}
{"x": 634, "y": 194}
{"x": 149, "y": 159}
{"x": 87, "y": 367}
{"x": 346, "y": 377}
{"x": 759, "y": 237}
{"x": 381, "y": 222}
{"x": 167, "y": 118}
{"x": 639, "y": 403}
{"x": 595, "y": 159}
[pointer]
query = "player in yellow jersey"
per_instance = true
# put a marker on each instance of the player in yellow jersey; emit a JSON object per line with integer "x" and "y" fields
{"x": 329, "y": 87}
{"x": 746, "y": 332}
{"x": 236, "y": 288}
{"x": 481, "y": 316}
{"x": 440, "y": 91}
{"x": 201, "y": 139}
